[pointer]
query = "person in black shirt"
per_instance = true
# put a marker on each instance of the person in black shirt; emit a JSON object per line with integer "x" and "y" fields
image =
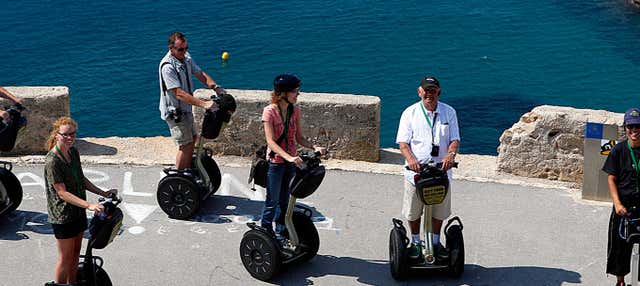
{"x": 623, "y": 170}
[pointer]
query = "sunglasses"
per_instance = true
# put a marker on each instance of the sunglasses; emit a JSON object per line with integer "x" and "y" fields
{"x": 181, "y": 49}
{"x": 431, "y": 90}
{"x": 633, "y": 126}
{"x": 70, "y": 134}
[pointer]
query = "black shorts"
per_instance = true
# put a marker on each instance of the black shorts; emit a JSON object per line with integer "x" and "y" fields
{"x": 70, "y": 229}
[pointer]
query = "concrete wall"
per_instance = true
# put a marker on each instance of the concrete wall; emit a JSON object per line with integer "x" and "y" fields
{"x": 348, "y": 125}
{"x": 44, "y": 104}
{"x": 548, "y": 142}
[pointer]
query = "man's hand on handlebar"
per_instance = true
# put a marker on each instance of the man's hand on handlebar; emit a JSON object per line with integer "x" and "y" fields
{"x": 447, "y": 163}
{"x": 413, "y": 164}
{"x": 620, "y": 209}
{"x": 219, "y": 90}
{"x": 5, "y": 116}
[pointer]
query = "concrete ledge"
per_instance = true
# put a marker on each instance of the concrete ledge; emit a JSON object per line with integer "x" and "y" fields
{"x": 44, "y": 104}
{"x": 348, "y": 125}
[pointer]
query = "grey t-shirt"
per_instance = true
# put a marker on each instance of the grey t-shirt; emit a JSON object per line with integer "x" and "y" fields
{"x": 176, "y": 74}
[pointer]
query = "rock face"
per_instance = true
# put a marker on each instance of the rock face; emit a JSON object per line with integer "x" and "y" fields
{"x": 348, "y": 125}
{"x": 43, "y": 106}
{"x": 548, "y": 142}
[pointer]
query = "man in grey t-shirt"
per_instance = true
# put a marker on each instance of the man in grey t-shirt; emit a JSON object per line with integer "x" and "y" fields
{"x": 176, "y": 96}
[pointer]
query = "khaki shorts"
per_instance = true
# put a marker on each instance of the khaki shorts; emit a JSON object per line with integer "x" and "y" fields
{"x": 412, "y": 206}
{"x": 183, "y": 131}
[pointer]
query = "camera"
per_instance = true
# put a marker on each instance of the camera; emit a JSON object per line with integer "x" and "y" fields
{"x": 175, "y": 114}
{"x": 435, "y": 150}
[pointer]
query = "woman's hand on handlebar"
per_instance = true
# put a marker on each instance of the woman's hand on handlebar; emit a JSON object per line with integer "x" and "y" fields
{"x": 322, "y": 150}
{"x": 620, "y": 209}
{"x": 97, "y": 208}
{"x": 297, "y": 161}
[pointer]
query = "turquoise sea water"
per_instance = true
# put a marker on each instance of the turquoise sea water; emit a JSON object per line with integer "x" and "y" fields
{"x": 495, "y": 59}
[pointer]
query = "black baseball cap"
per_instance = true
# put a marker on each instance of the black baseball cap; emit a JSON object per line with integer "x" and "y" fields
{"x": 428, "y": 81}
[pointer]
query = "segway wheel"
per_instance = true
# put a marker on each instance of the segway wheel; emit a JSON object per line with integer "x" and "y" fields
{"x": 398, "y": 255}
{"x": 10, "y": 189}
{"x": 260, "y": 255}
{"x": 102, "y": 278}
{"x": 455, "y": 243}
{"x": 178, "y": 197}
{"x": 307, "y": 235}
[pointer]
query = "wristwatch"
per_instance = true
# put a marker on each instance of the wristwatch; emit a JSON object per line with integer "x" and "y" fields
{"x": 453, "y": 153}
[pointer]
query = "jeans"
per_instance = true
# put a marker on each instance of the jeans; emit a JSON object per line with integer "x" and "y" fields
{"x": 275, "y": 205}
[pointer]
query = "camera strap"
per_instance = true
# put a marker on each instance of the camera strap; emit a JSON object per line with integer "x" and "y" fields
{"x": 432, "y": 126}
{"x": 164, "y": 86}
{"x": 283, "y": 136}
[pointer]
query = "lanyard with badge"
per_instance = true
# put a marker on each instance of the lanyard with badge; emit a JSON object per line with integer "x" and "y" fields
{"x": 74, "y": 169}
{"x": 435, "y": 149}
{"x": 635, "y": 165}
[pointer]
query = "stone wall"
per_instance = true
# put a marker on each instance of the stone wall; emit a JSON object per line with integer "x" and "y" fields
{"x": 348, "y": 125}
{"x": 44, "y": 104}
{"x": 548, "y": 142}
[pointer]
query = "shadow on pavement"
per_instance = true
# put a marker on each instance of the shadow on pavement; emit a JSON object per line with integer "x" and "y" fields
{"x": 13, "y": 226}
{"x": 88, "y": 148}
{"x": 376, "y": 272}
{"x": 216, "y": 208}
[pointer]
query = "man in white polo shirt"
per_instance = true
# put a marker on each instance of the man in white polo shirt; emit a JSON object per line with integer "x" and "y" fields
{"x": 428, "y": 131}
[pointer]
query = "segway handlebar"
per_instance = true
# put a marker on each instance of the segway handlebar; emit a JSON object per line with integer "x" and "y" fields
{"x": 432, "y": 165}
{"x": 310, "y": 160}
{"x": 110, "y": 205}
{"x": 13, "y": 110}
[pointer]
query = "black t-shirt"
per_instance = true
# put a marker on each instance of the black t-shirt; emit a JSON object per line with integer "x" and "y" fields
{"x": 620, "y": 164}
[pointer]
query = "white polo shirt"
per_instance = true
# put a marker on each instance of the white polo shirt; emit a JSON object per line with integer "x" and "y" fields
{"x": 415, "y": 131}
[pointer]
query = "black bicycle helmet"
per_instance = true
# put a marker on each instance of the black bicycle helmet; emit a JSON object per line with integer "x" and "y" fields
{"x": 285, "y": 83}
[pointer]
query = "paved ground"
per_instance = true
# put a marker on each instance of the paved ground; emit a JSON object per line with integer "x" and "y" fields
{"x": 514, "y": 235}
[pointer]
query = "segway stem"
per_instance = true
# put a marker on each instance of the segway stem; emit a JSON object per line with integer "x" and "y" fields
{"x": 201, "y": 169}
{"x": 635, "y": 259}
{"x": 428, "y": 234}
{"x": 288, "y": 222}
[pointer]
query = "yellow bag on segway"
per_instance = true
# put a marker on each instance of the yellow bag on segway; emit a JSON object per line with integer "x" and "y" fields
{"x": 432, "y": 187}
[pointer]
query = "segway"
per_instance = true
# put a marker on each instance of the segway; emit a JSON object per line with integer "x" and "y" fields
{"x": 181, "y": 191}
{"x": 261, "y": 253}
{"x": 103, "y": 228}
{"x": 10, "y": 189}
{"x": 432, "y": 185}
{"x": 629, "y": 230}
{"x": 10, "y": 133}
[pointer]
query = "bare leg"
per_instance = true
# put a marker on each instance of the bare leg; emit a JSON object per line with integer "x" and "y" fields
{"x": 183, "y": 158}
{"x": 73, "y": 264}
{"x": 66, "y": 248}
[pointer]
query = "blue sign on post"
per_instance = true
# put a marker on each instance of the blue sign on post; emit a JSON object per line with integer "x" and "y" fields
{"x": 593, "y": 130}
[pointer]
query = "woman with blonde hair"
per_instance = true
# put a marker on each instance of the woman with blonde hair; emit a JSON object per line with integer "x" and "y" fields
{"x": 67, "y": 198}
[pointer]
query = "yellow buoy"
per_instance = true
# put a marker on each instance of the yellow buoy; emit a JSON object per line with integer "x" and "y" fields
{"x": 225, "y": 56}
